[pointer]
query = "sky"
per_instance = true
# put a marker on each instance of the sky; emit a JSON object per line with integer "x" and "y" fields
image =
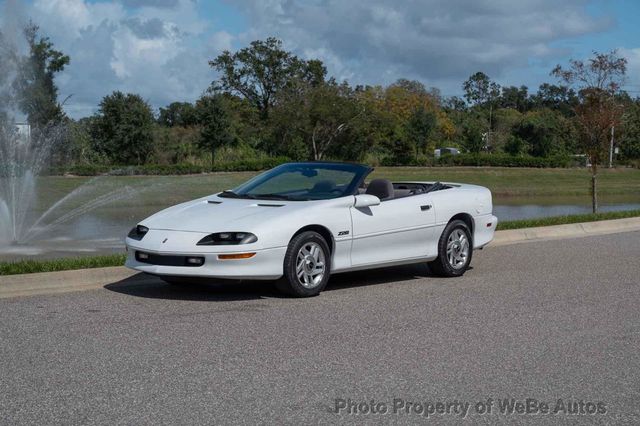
{"x": 160, "y": 48}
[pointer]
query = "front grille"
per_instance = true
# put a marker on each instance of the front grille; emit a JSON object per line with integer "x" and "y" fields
{"x": 169, "y": 260}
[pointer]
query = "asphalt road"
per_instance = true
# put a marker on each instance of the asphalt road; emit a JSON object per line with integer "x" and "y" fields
{"x": 547, "y": 321}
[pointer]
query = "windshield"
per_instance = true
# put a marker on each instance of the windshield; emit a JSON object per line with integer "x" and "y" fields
{"x": 303, "y": 181}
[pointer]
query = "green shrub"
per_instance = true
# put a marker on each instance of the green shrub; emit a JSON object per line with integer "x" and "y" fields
{"x": 171, "y": 169}
{"x": 64, "y": 264}
{"x": 562, "y": 220}
{"x": 503, "y": 160}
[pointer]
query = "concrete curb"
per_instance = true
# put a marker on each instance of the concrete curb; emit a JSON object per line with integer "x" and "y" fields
{"x": 66, "y": 281}
{"x": 572, "y": 230}
{"x": 88, "y": 279}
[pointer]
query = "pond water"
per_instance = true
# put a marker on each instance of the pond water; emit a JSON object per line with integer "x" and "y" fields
{"x": 101, "y": 231}
{"x": 533, "y": 211}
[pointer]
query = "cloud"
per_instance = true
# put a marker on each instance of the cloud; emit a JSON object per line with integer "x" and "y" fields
{"x": 160, "y": 48}
{"x": 435, "y": 41}
{"x": 633, "y": 69}
{"x": 154, "y": 3}
{"x": 150, "y": 28}
{"x": 221, "y": 41}
{"x": 156, "y": 49}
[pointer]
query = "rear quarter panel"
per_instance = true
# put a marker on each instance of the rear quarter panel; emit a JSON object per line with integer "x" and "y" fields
{"x": 473, "y": 200}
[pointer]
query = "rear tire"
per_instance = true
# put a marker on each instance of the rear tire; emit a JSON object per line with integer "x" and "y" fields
{"x": 307, "y": 266}
{"x": 455, "y": 249}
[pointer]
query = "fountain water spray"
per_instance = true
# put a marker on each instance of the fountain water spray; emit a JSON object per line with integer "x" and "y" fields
{"x": 25, "y": 151}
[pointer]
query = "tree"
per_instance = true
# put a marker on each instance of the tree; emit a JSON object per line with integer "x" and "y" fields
{"x": 454, "y": 103}
{"x": 403, "y": 98}
{"x": 504, "y": 120}
{"x": 630, "y": 142}
{"x": 181, "y": 114}
{"x": 480, "y": 91}
{"x": 215, "y": 132}
{"x": 372, "y": 131}
{"x": 515, "y": 97}
{"x": 514, "y": 145}
{"x": 411, "y": 86}
{"x": 80, "y": 142}
{"x": 473, "y": 140}
{"x": 260, "y": 71}
{"x": 316, "y": 116}
{"x": 401, "y": 148}
{"x": 558, "y": 98}
{"x": 37, "y": 92}
{"x": 598, "y": 81}
{"x": 123, "y": 129}
{"x": 419, "y": 128}
{"x": 545, "y": 132}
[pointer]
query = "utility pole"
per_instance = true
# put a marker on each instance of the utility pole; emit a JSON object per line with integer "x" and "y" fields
{"x": 611, "y": 147}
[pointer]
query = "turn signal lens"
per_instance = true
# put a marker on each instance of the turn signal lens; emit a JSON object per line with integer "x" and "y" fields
{"x": 142, "y": 256}
{"x": 235, "y": 256}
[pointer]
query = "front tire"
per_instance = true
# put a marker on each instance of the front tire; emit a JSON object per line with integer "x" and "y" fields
{"x": 455, "y": 249}
{"x": 307, "y": 266}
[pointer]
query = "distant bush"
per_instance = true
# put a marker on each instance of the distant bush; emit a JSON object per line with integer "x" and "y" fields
{"x": 244, "y": 165}
{"x": 170, "y": 169}
{"x": 489, "y": 160}
{"x": 504, "y": 160}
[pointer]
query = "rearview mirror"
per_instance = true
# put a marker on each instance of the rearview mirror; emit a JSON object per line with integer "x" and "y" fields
{"x": 366, "y": 200}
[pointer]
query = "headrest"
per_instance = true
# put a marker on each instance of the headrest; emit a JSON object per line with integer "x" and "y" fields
{"x": 381, "y": 188}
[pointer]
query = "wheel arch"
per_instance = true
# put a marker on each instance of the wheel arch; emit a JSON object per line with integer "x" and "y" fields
{"x": 322, "y": 230}
{"x": 467, "y": 219}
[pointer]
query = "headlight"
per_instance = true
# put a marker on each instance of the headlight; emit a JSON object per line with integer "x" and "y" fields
{"x": 228, "y": 238}
{"x": 138, "y": 232}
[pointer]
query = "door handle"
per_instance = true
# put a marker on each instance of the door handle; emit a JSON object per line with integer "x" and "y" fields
{"x": 425, "y": 207}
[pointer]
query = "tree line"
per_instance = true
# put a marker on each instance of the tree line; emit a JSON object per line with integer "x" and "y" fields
{"x": 268, "y": 102}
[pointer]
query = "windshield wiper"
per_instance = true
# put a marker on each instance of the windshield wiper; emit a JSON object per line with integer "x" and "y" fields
{"x": 229, "y": 194}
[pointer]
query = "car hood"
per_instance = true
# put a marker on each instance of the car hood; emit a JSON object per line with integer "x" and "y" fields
{"x": 216, "y": 214}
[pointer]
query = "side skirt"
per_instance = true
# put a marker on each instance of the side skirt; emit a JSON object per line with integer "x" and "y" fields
{"x": 385, "y": 264}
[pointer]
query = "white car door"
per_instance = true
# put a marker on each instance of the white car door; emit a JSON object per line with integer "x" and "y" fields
{"x": 397, "y": 229}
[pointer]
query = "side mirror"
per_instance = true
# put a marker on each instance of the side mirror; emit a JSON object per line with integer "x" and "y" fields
{"x": 366, "y": 200}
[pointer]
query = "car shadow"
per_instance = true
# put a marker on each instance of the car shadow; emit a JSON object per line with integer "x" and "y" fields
{"x": 148, "y": 286}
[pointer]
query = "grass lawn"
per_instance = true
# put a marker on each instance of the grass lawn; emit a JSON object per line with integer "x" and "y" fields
{"x": 514, "y": 186}
{"x": 519, "y": 182}
{"x": 562, "y": 220}
{"x": 64, "y": 264}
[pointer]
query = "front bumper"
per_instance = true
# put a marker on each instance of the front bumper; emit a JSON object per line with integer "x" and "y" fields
{"x": 266, "y": 264}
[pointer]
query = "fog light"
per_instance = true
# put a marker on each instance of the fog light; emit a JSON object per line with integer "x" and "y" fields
{"x": 195, "y": 260}
{"x": 235, "y": 256}
{"x": 142, "y": 255}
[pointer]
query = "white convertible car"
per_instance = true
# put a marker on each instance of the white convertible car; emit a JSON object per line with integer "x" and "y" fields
{"x": 300, "y": 222}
